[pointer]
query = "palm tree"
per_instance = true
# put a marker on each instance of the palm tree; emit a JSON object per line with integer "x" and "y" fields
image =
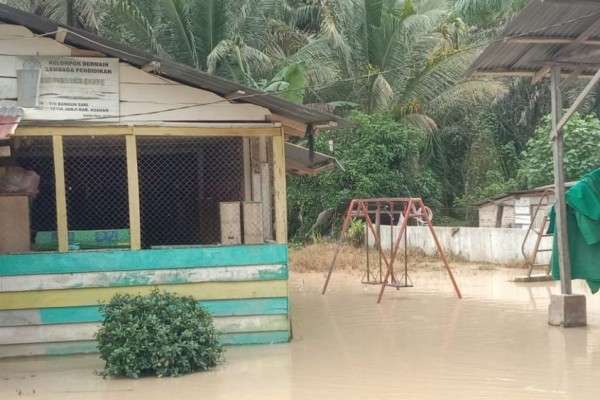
{"x": 251, "y": 41}
{"x": 487, "y": 13}
{"x": 406, "y": 57}
{"x": 206, "y": 34}
{"x": 86, "y": 14}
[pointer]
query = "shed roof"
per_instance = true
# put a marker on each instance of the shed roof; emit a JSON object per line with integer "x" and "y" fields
{"x": 173, "y": 70}
{"x": 550, "y": 33}
{"x": 536, "y": 191}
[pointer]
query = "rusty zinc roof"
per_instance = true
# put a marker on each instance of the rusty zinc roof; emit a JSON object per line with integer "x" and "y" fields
{"x": 550, "y": 33}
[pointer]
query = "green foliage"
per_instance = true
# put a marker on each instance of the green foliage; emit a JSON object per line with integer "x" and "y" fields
{"x": 379, "y": 157}
{"x": 582, "y": 151}
{"x": 356, "y": 232}
{"x": 158, "y": 334}
{"x": 82, "y": 13}
{"x": 405, "y": 58}
{"x": 476, "y": 150}
{"x": 290, "y": 83}
{"x": 486, "y": 12}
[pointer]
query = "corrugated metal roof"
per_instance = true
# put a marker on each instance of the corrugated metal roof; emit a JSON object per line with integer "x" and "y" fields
{"x": 559, "y": 33}
{"x": 175, "y": 71}
{"x": 536, "y": 191}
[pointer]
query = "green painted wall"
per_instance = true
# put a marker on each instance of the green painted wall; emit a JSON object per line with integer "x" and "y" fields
{"x": 127, "y": 260}
{"x": 200, "y": 261}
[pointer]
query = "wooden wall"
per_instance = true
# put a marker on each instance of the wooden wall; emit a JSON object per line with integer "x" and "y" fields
{"x": 49, "y": 301}
{"x": 140, "y": 92}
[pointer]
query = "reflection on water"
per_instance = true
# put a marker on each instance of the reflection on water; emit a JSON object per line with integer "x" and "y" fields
{"x": 419, "y": 343}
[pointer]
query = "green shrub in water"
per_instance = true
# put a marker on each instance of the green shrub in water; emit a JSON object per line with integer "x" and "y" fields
{"x": 160, "y": 334}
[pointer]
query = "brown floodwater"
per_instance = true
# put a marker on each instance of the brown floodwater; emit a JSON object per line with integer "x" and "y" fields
{"x": 419, "y": 343}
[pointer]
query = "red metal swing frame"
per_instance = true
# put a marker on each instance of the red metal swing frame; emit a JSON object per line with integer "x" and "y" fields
{"x": 409, "y": 208}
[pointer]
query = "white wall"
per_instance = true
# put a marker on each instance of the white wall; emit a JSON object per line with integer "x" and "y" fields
{"x": 494, "y": 245}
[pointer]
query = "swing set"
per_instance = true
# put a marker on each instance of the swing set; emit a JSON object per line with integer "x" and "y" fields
{"x": 399, "y": 211}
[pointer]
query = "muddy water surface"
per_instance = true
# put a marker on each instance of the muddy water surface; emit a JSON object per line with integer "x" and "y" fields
{"x": 419, "y": 343}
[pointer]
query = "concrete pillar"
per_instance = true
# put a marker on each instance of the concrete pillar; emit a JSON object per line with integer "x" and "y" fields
{"x": 567, "y": 310}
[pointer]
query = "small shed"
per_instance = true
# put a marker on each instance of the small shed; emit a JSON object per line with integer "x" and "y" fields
{"x": 123, "y": 172}
{"x": 517, "y": 209}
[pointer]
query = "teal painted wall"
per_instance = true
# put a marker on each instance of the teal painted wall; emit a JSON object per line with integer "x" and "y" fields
{"x": 207, "y": 259}
{"x": 217, "y": 308}
{"x": 127, "y": 260}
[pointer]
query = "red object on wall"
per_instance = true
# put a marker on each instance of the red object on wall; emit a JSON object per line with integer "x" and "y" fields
{"x": 8, "y": 125}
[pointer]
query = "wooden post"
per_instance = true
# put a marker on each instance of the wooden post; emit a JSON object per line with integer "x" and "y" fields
{"x": 62, "y": 230}
{"x": 378, "y": 236}
{"x": 267, "y": 202}
{"x": 133, "y": 188}
{"x": 499, "y": 214}
{"x": 265, "y": 189}
{"x": 255, "y": 170}
{"x": 247, "y": 183}
{"x": 562, "y": 238}
{"x": 279, "y": 188}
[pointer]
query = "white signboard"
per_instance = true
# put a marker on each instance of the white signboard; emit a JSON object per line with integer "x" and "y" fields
{"x": 76, "y": 88}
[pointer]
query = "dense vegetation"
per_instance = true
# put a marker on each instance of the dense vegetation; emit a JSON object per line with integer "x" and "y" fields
{"x": 582, "y": 150}
{"x": 379, "y": 157}
{"x": 160, "y": 334}
{"x": 394, "y": 67}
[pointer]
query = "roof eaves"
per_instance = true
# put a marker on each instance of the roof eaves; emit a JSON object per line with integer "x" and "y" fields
{"x": 178, "y": 72}
{"x": 531, "y": 40}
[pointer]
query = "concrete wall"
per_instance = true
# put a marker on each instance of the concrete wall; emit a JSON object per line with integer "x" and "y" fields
{"x": 494, "y": 245}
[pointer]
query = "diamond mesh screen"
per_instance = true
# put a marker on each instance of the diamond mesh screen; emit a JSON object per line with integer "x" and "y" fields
{"x": 193, "y": 191}
{"x": 96, "y": 182}
{"x": 182, "y": 182}
{"x": 35, "y": 154}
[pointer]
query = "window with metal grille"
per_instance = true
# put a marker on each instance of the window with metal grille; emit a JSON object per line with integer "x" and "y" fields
{"x": 192, "y": 190}
{"x": 182, "y": 182}
{"x": 35, "y": 154}
{"x": 96, "y": 183}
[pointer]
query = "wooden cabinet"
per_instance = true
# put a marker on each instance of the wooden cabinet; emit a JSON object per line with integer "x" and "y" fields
{"x": 14, "y": 223}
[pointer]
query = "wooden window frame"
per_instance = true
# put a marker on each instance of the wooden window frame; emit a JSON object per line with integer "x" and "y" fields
{"x": 274, "y": 131}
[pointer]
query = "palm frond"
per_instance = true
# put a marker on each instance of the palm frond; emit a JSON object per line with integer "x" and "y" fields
{"x": 138, "y": 28}
{"x": 218, "y": 55}
{"x": 482, "y": 11}
{"x": 381, "y": 94}
{"x": 421, "y": 121}
{"x": 178, "y": 13}
{"x": 322, "y": 66}
{"x": 466, "y": 95}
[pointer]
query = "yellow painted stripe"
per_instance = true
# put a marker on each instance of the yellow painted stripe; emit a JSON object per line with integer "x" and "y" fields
{"x": 91, "y": 296}
{"x": 87, "y": 331}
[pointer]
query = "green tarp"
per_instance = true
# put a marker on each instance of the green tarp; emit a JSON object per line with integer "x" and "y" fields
{"x": 583, "y": 226}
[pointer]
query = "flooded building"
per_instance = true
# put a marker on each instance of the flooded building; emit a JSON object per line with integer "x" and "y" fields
{"x": 517, "y": 209}
{"x": 121, "y": 172}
